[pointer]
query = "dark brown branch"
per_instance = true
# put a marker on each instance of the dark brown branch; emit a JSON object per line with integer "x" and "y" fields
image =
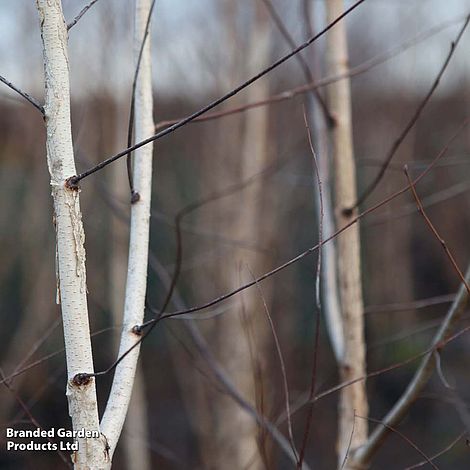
{"x": 79, "y": 16}
{"x": 314, "y": 248}
{"x": 293, "y": 92}
{"x": 25, "y": 95}
{"x": 301, "y": 60}
{"x": 159, "y": 315}
{"x": 74, "y": 180}
{"x": 395, "y": 146}
{"x": 135, "y": 196}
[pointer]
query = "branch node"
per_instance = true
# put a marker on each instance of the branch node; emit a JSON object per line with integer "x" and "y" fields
{"x": 135, "y": 197}
{"x": 81, "y": 379}
{"x": 72, "y": 183}
{"x": 137, "y": 330}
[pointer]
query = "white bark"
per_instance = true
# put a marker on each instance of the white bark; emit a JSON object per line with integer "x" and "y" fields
{"x": 353, "y": 399}
{"x": 116, "y": 409}
{"x": 329, "y": 269}
{"x": 83, "y": 407}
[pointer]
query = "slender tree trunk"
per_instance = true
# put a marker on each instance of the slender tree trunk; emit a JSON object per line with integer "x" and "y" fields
{"x": 238, "y": 442}
{"x": 136, "y": 285}
{"x": 71, "y": 293}
{"x": 353, "y": 399}
{"x": 135, "y": 432}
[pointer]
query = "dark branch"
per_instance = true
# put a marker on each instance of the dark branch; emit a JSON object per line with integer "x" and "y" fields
{"x": 25, "y": 95}
{"x": 79, "y": 16}
{"x": 393, "y": 150}
{"x": 75, "y": 179}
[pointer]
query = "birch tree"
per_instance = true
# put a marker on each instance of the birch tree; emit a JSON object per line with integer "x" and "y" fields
{"x": 70, "y": 255}
{"x": 353, "y": 399}
{"x": 81, "y": 391}
{"x": 136, "y": 283}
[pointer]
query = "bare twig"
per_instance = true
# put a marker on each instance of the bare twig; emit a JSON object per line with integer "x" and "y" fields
{"x": 391, "y": 153}
{"x": 158, "y": 316}
{"x": 302, "y": 62}
{"x": 363, "y": 455}
{"x": 82, "y": 12}
{"x": 219, "y": 372}
{"x": 435, "y": 232}
{"x": 400, "y": 434}
{"x": 283, "y": 371}
{"x": 293, "y": 92}
{"x": 317, "y": 295}
{"x": 439, "y": 454}
{"x": 348, "y": 448}
{"x": 74, "y": 180}
{"x": 25, "y": 95}
{"x": 314, "y": 248}
{"x": 135, "y": 196}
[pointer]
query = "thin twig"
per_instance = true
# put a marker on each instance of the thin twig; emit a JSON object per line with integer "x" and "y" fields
{"x": 400, "y": 434}
{"x": 283, "y": 371}
{"x": 150, "y": 324}
{"x": 395, "y": 146}
{"x": 218, "y": 371}
{"x": 317, "y": 295}
{"x": 25, "y": 95}
{"x": 135, "y": 196}
{"x": 439, "y": 454}
{"x": 308, "y": 74}
{"x": 363, "y": 455}
{"x": 293, "y": 92}
{"x": 82, "y": 12}
{"x": 314, "y": 248}
{"x": 435, "y": 232}
{"x": 74, "y": 180}
{"x": 348, "y": 448}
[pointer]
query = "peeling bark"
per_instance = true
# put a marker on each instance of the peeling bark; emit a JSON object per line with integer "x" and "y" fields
{"x": 83, "y": 407}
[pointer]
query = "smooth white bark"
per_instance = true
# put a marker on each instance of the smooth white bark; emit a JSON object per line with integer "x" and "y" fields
{"x": 116, "y": 409}
{"x": 71, "y": 282}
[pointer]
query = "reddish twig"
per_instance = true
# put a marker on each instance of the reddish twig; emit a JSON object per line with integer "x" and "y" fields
{"x": 317, "y": 295}
{"x": 283, "y": 372}
{"x": 435, "y": 232}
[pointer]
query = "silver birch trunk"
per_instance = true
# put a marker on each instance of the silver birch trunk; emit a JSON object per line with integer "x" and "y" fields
{"x": 71, "y": 282}
{"x": 121, "y": 390}
{"x": 353, "y": 399}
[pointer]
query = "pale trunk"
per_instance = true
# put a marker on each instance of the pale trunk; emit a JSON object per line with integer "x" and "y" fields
{"x": 353, "y": 399}
{"x": 121, "y": 390}
{"x": 71, "y": 286}
{"x": 135, "y": 432}
{"x": 235, "y": 425}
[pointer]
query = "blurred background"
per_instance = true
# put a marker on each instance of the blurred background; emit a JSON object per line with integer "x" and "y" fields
{"x": 256, "y": 169}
